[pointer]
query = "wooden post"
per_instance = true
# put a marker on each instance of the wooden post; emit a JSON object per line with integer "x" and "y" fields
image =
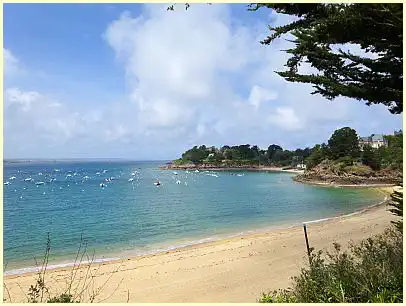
{"x": 307, "y": 242}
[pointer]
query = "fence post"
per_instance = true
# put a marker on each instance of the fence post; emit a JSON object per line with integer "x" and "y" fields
{"x": 307, "y": 243}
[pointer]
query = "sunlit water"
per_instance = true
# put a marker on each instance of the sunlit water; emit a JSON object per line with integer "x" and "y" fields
{"x": 131, "y": 215}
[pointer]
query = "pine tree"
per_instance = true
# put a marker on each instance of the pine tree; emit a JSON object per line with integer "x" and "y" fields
{"x": 397, "y": 207}
{"x": 375, "y": 28}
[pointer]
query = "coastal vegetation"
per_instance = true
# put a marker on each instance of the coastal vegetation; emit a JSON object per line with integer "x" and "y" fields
{"x": 341, "y": 158}
{"x": 370, "y": 271}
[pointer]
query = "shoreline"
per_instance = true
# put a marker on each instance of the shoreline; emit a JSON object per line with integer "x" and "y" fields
{"x": 234, "y": 269}
{"x": 117, "y": 257}
{"x": 242, "y": 168}
{"x": 298, "y": 172}
{"x": 324, "y": 184}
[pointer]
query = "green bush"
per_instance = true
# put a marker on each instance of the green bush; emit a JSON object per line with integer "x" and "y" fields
{"x": 346, "y": 161}
{"x": 63, "y": 298}
{"x": 360, "y": 170}
{"x": 371, "y": 271}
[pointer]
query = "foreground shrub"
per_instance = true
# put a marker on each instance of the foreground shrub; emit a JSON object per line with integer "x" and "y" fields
{"x": 370, "y": 271}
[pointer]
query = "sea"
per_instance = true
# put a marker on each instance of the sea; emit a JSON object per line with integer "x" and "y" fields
{"x": 116, "y": 209}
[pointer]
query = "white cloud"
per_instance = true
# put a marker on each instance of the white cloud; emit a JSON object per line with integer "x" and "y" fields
{"x": 259, "y": 95}
{"x": 11, "y": 63}
{"x": 286, "y": 118}
{"x": 194, "y": 77}
{"x": 25, "y": 100}
{"x": 176, "y": 73}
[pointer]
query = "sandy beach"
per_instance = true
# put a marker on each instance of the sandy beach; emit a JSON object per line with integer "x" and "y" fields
{"x": 236, "y": 269}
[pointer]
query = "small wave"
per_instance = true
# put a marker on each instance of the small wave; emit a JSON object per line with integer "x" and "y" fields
{"x": 56, "y": 266}
{"x": 131, "y": 253}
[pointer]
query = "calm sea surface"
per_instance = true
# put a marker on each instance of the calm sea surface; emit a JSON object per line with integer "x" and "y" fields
{"x": 130, "y": 215}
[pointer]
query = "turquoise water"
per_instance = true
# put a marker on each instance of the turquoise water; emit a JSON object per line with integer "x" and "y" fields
{"x": 136, "y": 217}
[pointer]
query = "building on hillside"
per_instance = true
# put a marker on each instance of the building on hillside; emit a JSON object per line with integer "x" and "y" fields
{"x": 301, "y": 166}
{"x": 375, "y": 141}
{"x": 396, "y": 133}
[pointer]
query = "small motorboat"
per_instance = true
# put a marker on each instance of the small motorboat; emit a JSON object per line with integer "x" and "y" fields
{"x": 157, "y": 183}
{"x": 178, "y": 182}
{"x": 103, "y": 185}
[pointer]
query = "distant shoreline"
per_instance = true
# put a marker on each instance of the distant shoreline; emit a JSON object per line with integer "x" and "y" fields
{"x": 233, "y": 168}
{"x": 314, "y": 182}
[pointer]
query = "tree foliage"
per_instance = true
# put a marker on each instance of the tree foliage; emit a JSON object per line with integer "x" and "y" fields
{"x": 370, "y": 157}
{"x": 272, "y": 149}
{"x": 319, "y": 29}
{"x": 344, "y": 142}
{"x": 397, "y": 208}
{"x": 342, "y": 147}
{"x": 244, "y": 154}
{"x": 392, "y": 155}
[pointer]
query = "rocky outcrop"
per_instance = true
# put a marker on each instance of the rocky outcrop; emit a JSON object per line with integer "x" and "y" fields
{"x": 329, "y": 173}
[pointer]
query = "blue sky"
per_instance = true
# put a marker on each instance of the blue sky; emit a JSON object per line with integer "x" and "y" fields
{"x": 135, "y": 81}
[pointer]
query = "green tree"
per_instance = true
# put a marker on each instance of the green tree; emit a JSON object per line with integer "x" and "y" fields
{"x": 394, "y": 151}
{"x": 272, "y": 149}
{"x": 255, "y": 149}
{"x": 228, "y": 154}
{"x": 320, "y": 28}
{"x": 196, "y": 155}
{"x": 223, "y": 148}
{"x": 344, "y": 142}
{"x": 369, "y": 157}
{"x": 397, "y": 208}
{"x": 315, "y": 158}
{"x": 245, "y": 151}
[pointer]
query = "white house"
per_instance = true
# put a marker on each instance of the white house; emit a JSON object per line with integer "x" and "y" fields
{"x": 375, "y": 141}
{"x": 301, "y": 166}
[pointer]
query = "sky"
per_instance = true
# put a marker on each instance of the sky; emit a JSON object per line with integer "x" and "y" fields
{"x": 139, "y": 82}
